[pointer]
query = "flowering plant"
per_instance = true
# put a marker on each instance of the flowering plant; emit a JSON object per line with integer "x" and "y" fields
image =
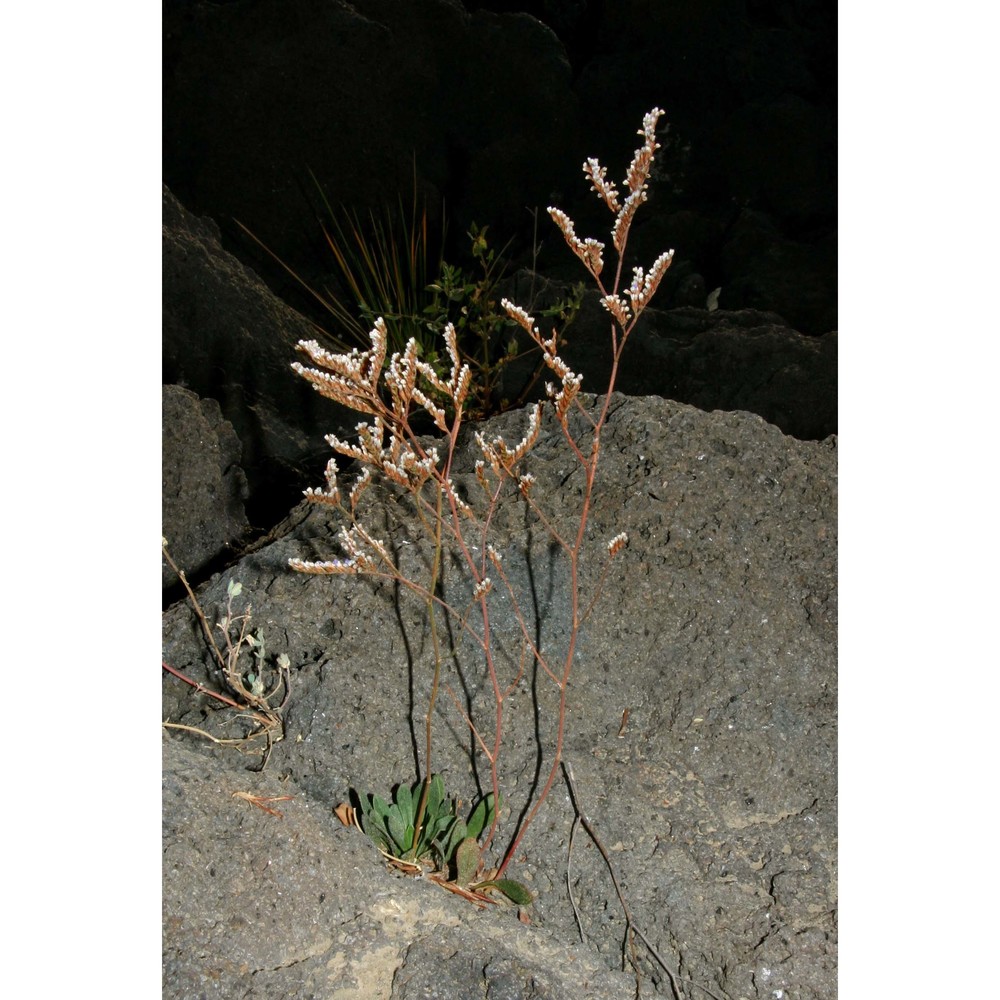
{"x": 388, "y": 447}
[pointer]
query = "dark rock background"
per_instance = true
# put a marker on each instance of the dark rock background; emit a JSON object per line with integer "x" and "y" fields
{"x": 497, "y": 105}
{"x": 227, "y": 338}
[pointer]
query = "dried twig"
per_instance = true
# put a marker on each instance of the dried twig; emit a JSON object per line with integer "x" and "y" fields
{"x": 260, "y": 801}
{"x": 253, "y": 700}
{"x": 197, "y": 607}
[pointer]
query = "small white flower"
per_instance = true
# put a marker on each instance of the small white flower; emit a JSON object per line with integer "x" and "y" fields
{"x": 617, "y": 543}
{"x": 327, "y": 567}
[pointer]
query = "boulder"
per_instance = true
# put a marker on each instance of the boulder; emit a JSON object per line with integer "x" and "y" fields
{"x": 203, "y": 484}
{"x": 701, "y": 728}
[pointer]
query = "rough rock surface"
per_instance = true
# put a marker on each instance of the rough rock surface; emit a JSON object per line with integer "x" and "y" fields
{"x": 227, "y": 337}
{"x": 702, "y": 708}
{"x": 716, "y": 799}
{"x": 203, "y": 484}
{"x": 719, "y": 360}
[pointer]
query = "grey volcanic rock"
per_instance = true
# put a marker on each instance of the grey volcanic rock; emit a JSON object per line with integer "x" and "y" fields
{"x": 203, "y": 484}
{"x": 721, "y": 360}
{"x": 701, "y": 729}
{"x": 228, "y": 338}
{"x": 701, "y": 722}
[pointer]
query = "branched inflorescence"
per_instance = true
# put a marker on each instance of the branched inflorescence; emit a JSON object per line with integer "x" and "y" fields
{"x": 389, "y": 394}
{"x": 387, "y": 446}
{"x": 624, "y": 309}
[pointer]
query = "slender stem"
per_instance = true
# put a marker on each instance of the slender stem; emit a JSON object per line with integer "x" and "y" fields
{"x": 590, "y": 467}
{"x": 201, "y": 687}
{"x": 197, "y": 607}
{"x": 435, "y": 571}
{"x": 407, "y": 464}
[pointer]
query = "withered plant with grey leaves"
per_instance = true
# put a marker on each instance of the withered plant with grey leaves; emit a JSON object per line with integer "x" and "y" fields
{"x": 391, "y": 395}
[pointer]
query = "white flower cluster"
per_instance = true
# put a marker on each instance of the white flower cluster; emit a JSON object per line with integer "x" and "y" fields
{"x": 360, "y": 485}
{"x": 351, "y": 378}
{"x": 331, "y": 495}
{"x": 500, "y": 456}
{"x": 327, "y": 567}
{"x": 452, "y": 492}
{"x": 399, "y": 460}
{"x": 401, "y": 380}
{"x": 619, "y": 231}
{"x": 606, "y": 190}
{"x": 590, "y": 251}
{"x": 570, "y": 381}
{"x": 359, "y": 546}
{"x": 644, "y": 285}
{"x": 387, "y": 394}
{"x": 617, "y": 543}
{"x": 563, "y": 399}
{"x": 617, "y": 307}
{"x": 519, "y": 316}
{"x": 638, "y": 169}
{"x": 638, "y": 294}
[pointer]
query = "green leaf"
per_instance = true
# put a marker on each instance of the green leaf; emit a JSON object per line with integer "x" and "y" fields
{"x": 404, "y": 802}
{"x": 398, "y": 833}
{"x": 373, "y": 824}
{"x": 481, "y": 815}
{"x": 466, "y": 861}
{"x": 438, "y": 827}
{"x": 379, "y": 840}
{"x": 514, "y": 891}
{"x": 435, "y": 795}
{"x": 367, "y": 813}
{"x": 458, "y": 833}
{"x": 374, "y": 828}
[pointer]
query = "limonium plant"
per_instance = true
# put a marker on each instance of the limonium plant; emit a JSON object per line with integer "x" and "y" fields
{"x": 395, "y": 395}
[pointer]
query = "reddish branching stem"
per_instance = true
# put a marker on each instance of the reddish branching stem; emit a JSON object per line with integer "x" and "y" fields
{"x": 390, "y": 392}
